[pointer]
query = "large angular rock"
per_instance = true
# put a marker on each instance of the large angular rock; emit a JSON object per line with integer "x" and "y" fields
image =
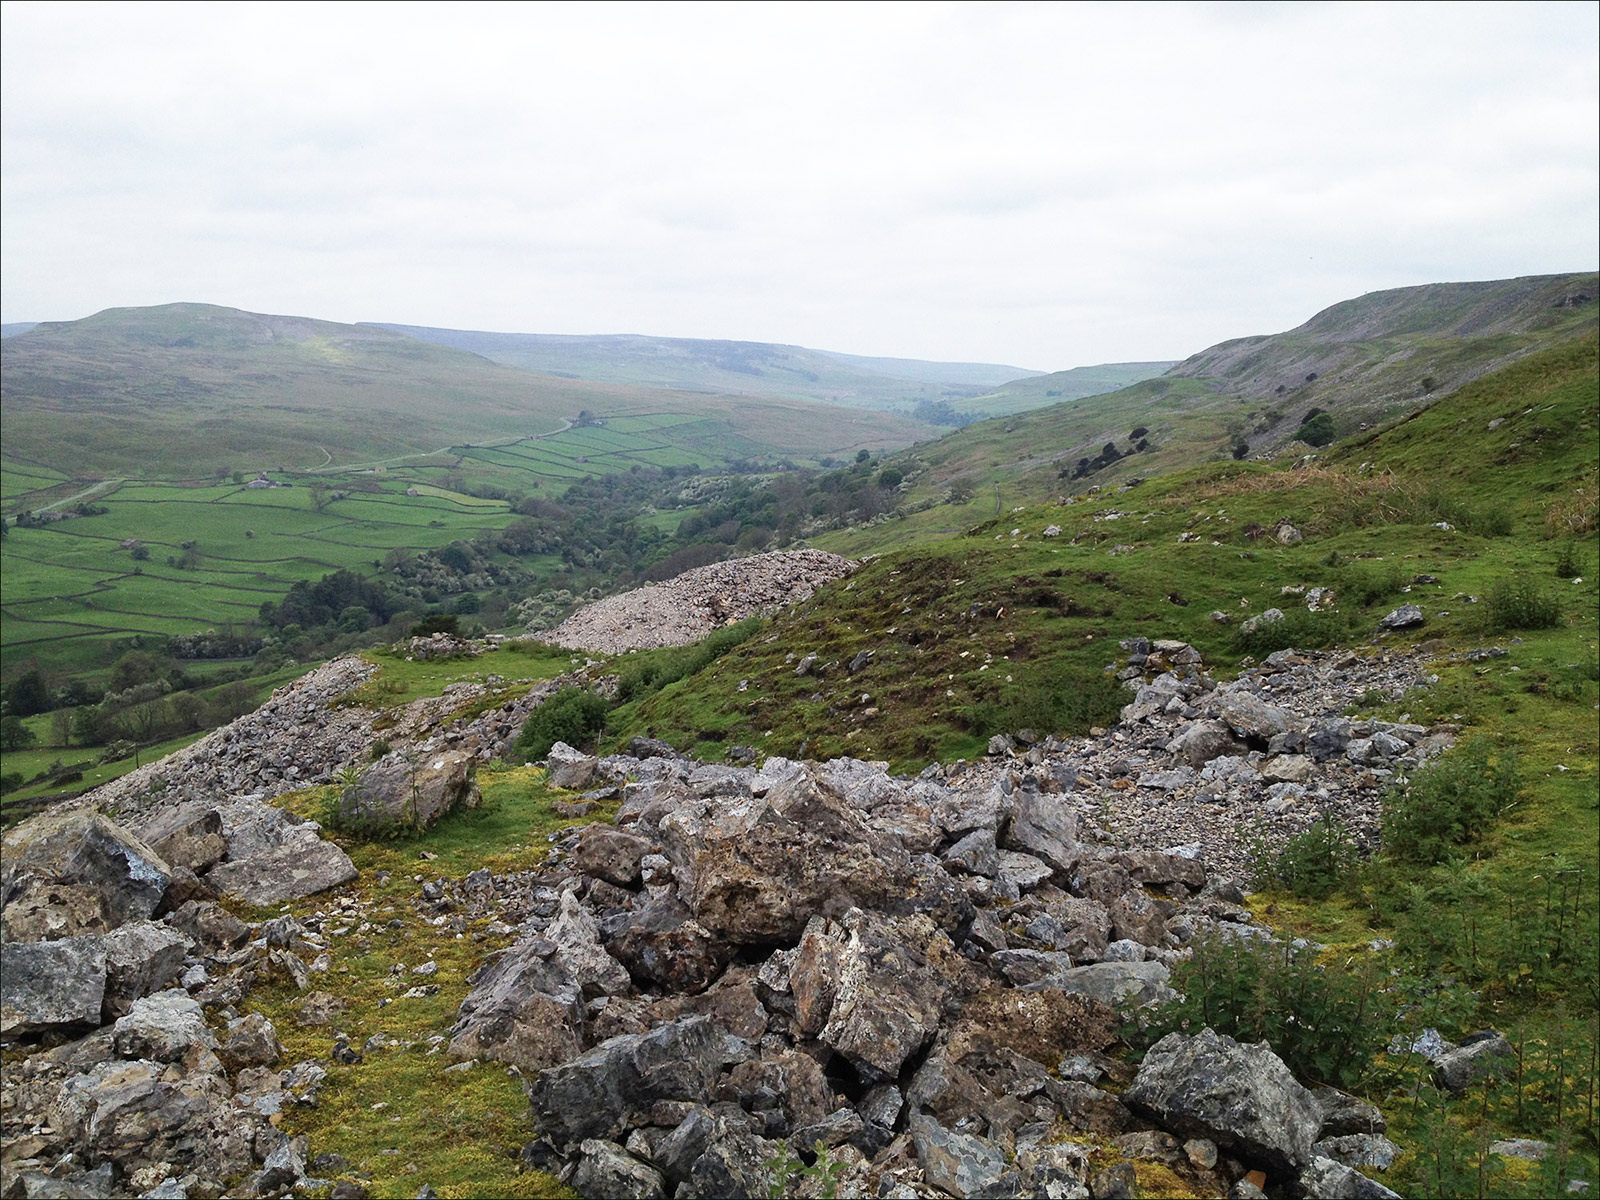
{"x": 1200, "y": 741}
{"x": 662, "y": 945}
{"x": 956, "y": 1163}
{"x": 141, "y": 958}
{"x": 612, "y": 854}
{"x": 605, "y": 1169}
{"x": 1044, "y": 826}
{"x": 523, "y": 1009}
{"x": 275, "y": 856}
{"x": 142, "y": 1113}
{"x": 402, "y": 790}
{"x": 570, "y": 768}
{"x": 1324, "y": 1177}
{"x": 889, "y": 981}
{"x": 1457, "y": 1070}
{"x": 1241, "y": 1097}
{"x": 162, "y": 1027}
{"x": 756, "y": 872}
{"x": 789, "y": 1087}
{"x": 1251, "y": 717}
{"x": 66, "y": 874}
{"x": 188, "y": 835}
{"x": 610, "y": 1089}
{"x": 576, "y": 938}
{"x": 51, "y": 985}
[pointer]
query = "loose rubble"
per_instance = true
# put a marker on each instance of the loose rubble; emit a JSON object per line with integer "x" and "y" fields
{"x": 688, "y": 607}
{"x": 922, "y": 974}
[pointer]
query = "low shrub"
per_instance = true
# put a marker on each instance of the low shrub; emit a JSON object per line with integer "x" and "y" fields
{"x": 1313, "y": 864}
{"x": 1520, "y": 603}
{"x": 573, "y": 715}
{"x": 1323, "y": 1020}
{"x": 1368, "y": 585}
{"x": 1450, "y": 804}
{"x": 1299, "y": 629}
{"x": 1567, "y": 564}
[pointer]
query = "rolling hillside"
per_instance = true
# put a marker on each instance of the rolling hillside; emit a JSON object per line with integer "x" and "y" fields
{"x": 182, "y": 389}
{"x": 736, "y": 368}
{"x": 1362, "y": 362}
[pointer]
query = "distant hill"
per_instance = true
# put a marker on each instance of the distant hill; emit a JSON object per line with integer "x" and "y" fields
{"x": 1040, "y": 391}
{"x": 180, "y": 388}
{"x": 735, "y": 368}
{"x": 1362, "y": 362}
{"x": 12, "y": 328}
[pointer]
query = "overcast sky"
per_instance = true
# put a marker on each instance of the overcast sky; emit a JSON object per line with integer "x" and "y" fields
{"x": 1039, "y": 186}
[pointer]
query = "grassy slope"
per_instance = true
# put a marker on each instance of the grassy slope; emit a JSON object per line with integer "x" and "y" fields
{"x": 919, "y": 609}
{"x": 1041, "y": 391}
{"x": 180, "y": 389}
{"x": 1373, "y": 358}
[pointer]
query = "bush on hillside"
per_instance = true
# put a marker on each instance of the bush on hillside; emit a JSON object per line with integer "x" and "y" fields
{"x": 1313, "y": 864}
{"x": 1520, "y": 603}
{"x": 1299, "y": 629}
{"x": 1450, "y": 804}
{"x": 573, "y": 715}
{"x": 1322, "y": 1020}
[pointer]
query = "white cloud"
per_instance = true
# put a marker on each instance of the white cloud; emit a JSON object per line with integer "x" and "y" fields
{"x": 1045, "y": 186}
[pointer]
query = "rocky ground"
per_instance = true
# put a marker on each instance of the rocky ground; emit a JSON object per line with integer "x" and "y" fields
{"x": 923, "y": 974}
{"x": 688, "y": 607}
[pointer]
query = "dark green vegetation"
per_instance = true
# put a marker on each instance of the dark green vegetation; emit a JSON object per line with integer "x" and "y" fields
{"x": 1357, "y": 364}
{"x": 740, "y": 368}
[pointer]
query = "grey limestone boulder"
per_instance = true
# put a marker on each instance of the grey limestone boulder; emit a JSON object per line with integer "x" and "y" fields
{"x": 1043, "y": 825}
{"x": 958, "y": 1164}
{"x": 275, "y": 856}
{"x": 1200, "y": 741}
{"x": 1325, "y": 1178}
{"x": 66, "y": 874}
{"x": 1116, "y": 984}
{"x": 610, "y": 1089}
{"x": 569, "y": 767}
{"x": 609, "y": 853}
{"x": 1458, "y": 1069}
{"x": 758, "y": 871}
{"x": 1239, "y": 1096}
{"x": 523, "y": 1009}
{"x": 49, "y": 985}
{"x": 605, "y": 1169}
{"x": 406, "y": 790}
{"x": 141, "y": 958}
{"x": 1252, "y": 717}
{"x": 662, "y": 945}
{"x": 162, "y": 1027}
{"x": 1407, "y": 616}
{"x": 882, "y": 983}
